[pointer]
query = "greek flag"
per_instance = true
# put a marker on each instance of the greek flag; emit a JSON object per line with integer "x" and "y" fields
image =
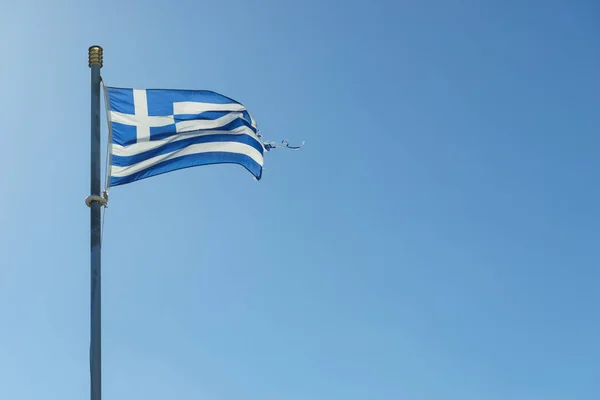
{"x": 154, "y": 131}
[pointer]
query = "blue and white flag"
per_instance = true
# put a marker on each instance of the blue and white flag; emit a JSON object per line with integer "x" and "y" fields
{"x": 154, "y": 131}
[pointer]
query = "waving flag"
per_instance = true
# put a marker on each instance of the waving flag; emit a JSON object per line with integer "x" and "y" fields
{"x": 154, "y": 131}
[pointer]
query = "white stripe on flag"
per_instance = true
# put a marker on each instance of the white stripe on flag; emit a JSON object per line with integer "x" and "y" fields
{"x": 228, "y": 147}
{"x": 140, "y": 105}
{"x": 135, "y": 120}
{"x": 192, "y": 107}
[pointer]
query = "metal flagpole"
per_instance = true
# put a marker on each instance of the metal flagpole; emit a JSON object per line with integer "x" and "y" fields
{"x": 95, "y": 202}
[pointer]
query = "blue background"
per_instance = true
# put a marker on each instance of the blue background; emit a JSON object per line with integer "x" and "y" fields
{"x": 437, "y": 238}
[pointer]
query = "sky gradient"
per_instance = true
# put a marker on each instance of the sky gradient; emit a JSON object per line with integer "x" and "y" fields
{"x": 438, "y": 237}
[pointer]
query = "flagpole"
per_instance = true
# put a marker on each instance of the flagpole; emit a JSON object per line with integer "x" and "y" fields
{"x": 94, "y": 201}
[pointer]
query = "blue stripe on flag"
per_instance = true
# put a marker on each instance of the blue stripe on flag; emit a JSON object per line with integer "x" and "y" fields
{"x": 121, "y": 100}
{"x": 123, "y": 134}
{"x": 161, "y": 132}
{"x": 207, "y": 115}
{"x": 247, "y": 116}
{"x": 124, "y": 161}
{"x": 158, "y": 134}
{"x": 192, "y": 160}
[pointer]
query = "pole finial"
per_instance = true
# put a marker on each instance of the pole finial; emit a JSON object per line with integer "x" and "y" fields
{"x": 95, "y": 56}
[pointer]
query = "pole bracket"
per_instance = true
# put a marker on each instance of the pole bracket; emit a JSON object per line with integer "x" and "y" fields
{"x": 103, "y": 200}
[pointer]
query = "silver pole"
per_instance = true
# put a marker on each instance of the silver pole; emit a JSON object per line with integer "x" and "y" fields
{"x": 95, "y": 63}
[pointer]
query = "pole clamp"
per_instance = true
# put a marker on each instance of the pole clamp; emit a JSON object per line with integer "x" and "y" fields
{"x": 103, "y": 200}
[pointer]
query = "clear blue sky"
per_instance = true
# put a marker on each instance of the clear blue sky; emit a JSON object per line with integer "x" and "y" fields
{"x": 437, "y": 238}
